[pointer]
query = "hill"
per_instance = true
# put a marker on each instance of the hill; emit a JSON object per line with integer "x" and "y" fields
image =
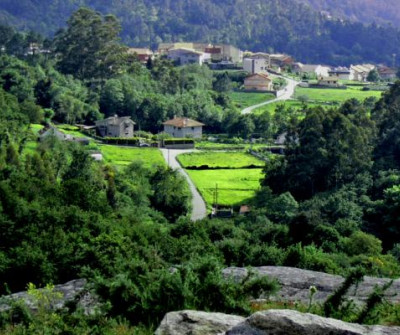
{"x": 258, "y": 25}
{"x": 366, "y": 11}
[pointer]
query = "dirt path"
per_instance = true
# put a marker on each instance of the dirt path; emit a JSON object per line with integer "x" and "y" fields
{"x": 199, "y": 209}
{"x": 283, "y": 95}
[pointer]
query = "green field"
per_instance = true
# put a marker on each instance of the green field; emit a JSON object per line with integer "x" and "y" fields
{"x": 246, "y": 99}
{"x": 295, "y": 104}
{"x": 331, "y": 94}
{"x": 123, "y": 156}
{"x": 235, "y": 187}
{"x": 219, "y": 159}
{"x": 70, "y": 130}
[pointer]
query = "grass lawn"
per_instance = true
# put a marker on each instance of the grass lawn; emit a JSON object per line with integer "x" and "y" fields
{"x": 235, "y": 187}
{"x": 70, "y": 130}
{"x": 246, "y": 99}
{"x": 331, "y": 94}
{"x": 36, "y": 128}
{"x": 219, "y": 159}
{"x": 295, "y": 104}
{"x": 123, "y": 156}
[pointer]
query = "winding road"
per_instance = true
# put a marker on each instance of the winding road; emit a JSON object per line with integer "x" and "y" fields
{"x": 285, "y": 94}
{"x": 199, "y": 209}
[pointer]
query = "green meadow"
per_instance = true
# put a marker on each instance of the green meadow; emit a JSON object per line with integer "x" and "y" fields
{"x": 246, "y": 99}
{"x": 235, "y": 186}
{"x": 338, "y": 95}
{"x": 123, "y": 156}
{"x": 231, "y": 160}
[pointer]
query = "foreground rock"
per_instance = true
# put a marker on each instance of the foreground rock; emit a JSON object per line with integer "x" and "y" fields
{"x": 272, "y": 322}
{"x": 295, "y": 283}
{"x": 74, "y": 290}
{"x": 197, "y": 323}
{"x": 286, "y": 322}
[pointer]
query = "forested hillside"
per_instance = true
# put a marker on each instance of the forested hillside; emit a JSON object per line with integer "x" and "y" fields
{"x": 258, "y": 25}
{"x": 368, "y": 11}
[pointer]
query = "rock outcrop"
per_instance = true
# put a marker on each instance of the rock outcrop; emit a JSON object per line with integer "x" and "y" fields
{"x": 72, "y": 290}
{"x": 287, "y": 322}
{"x": 197, "y": 323}
{"x": 295, "y": 284}
{"x": 272, "y": 322}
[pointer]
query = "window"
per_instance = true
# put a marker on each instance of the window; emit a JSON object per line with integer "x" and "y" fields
{"x": 192, "y": 128}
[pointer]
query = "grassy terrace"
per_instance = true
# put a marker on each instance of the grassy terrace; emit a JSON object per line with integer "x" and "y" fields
{"x": 123, "y": 156}
{"x": 338, "y": 95}
{"x": 295, "y": 104}
{"x": 246, "y": 99}
{"x": 232, "y": 160}
{"x": 235, "y": 186}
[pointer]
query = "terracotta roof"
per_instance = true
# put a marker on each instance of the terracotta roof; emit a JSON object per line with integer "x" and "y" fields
{"x": 183, "y": 122}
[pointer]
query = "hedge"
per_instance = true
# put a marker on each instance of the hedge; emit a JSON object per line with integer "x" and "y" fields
{"x": 178, "y": 141}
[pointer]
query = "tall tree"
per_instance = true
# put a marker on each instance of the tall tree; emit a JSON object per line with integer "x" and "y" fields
{"x": 89, "y": 47}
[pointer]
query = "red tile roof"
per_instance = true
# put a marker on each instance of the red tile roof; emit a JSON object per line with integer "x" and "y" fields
{"x": 183, "y": 122}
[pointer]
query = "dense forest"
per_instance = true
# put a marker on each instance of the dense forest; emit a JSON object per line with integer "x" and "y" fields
{"x": 331, "y": 203}
{"x": 257, "y": 25}
{"x": 367, "y": 11}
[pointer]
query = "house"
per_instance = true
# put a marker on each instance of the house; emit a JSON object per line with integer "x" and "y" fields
{"x": 183, "y": 127}
{"x": 142, "y": 53}
{"x": 386, "y": 72}
{"x": 185, "y": 56}
{"x": 223, "y": 52}
{"x": 258, "y": 82}
{"x": 362, "y": 71}
{"x": 331, "y": 81}
{"x": 54, "y": 132}
{"x": 313, "y": 69}
{"x": 255, "y": 65}
{"x": 115, "y": 126}
{"x": 343, "y": 73}
{"x": 280, "y": 60}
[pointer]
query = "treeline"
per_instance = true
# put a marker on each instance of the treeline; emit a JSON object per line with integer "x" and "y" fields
{"x": 257, "y": 25}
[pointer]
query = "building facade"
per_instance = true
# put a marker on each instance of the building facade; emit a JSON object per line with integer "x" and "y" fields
{"x": 255, "y": 65}
{"x": 115, "y": 126}
{"x": 183, "y": 127}
{"x": 258, "y": 82}
{"x": 185, "y": 56}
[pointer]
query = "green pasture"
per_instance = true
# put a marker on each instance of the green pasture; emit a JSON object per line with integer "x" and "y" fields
{"x": 246, "y": 99}
{"x": 294, "y": 104}
{"x": 219, "y": 159}
{"x": 338, "y": 95}
{"x": 70, "y": 130}
{"x": 235, "y": 186}
{"x": 123, "y": 156}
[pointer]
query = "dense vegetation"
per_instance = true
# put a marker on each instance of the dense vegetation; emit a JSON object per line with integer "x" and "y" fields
{"x": 371, "y": 11}
{"x": 258, "y": 25}
{"x": 330, "y": 204}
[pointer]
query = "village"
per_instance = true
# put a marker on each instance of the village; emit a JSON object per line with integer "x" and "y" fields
{"x": 269, "y": 81}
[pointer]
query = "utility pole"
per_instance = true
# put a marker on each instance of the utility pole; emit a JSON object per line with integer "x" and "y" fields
{"x": 394, "y": 60}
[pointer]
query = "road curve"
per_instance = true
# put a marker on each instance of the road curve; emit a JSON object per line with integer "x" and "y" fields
{"x": 199, "y": 209}
{"x": 285, "y": 94}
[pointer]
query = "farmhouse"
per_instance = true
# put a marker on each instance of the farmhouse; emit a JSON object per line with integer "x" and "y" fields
{"x": 255, "y": 65}
{"x": 185, "y": 56}
{"x": 311, "y": 69}
{"x": 331, "y": 81}
{"x": 183, "y": 127}
{"x": 258, "y": 82}
{"x": 142, "y": 53}
{"x": 224, "y": 52}
{"x": 343, "y": 73}
{"x": 361, "y": 72}
{"x": 387, "y": 72}
{"x": 115, "y": 126}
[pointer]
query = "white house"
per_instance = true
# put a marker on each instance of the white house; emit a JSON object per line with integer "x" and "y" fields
{"x": 188, "y": 56}
{"x": 183, "y": 127}
{"x": 255, "y": 65}
{"x": 318, "y": 70}
{"x": 343, "y": 73}
{"x": 361, "y": 72}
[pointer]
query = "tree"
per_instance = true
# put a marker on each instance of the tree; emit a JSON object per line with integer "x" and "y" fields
{"x": 89, "y": 46}
{"x": 373, "y": 76}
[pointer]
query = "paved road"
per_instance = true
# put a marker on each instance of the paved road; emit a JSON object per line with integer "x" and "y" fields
{"x": 199, "y": 210}
{"x": 285, "y": 94}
